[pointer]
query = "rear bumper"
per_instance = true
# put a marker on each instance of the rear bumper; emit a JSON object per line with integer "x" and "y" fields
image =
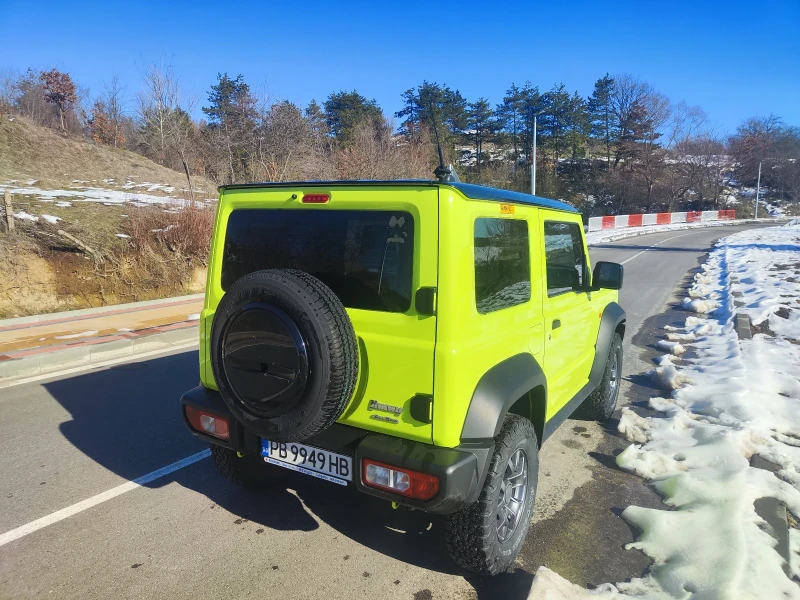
{"x": 461, "y": 470}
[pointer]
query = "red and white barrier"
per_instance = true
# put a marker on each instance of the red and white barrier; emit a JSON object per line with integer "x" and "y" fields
{"x": 623, "y": 221}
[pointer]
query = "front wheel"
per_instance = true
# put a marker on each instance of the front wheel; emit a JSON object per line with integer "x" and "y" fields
{"x": 486, "y": 536}
{"x": 602, "y": 402}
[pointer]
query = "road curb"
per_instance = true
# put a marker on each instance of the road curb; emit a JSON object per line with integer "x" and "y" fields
{"x": 84, "y": 313}
{"x": 741, "y": 323}
{"x": 86, "y": 354}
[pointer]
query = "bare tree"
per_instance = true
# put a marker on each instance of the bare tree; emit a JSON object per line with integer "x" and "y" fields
{"x": 377, "y": 154}
{"x": 114, "y": 100}
{"x": 156, "y": 103}
{"x": 167, "y": 127}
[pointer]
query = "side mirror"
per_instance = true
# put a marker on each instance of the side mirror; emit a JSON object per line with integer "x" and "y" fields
{"x": 607, "y": 276}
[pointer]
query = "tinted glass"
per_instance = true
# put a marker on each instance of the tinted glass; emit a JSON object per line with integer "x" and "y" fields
{"x": 502, "y": 264}
{"x": 365, "y": 257}
{"x": 566, "y": 265}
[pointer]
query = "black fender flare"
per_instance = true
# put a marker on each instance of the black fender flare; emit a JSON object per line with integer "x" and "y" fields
{"x": 497, "y": 391}
{"x": 613, "y": 317}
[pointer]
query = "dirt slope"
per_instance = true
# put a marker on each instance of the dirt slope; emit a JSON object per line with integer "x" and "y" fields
{"x": 30, "y": 152}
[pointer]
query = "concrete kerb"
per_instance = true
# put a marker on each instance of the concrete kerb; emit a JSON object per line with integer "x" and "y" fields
{"x": 80, "y": 355}
{"x": 85, "y": 312}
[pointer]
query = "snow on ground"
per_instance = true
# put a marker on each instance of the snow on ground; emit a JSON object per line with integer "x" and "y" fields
{"x": 610, "y": 235}
{"x": 730, "y": 399}
{"x": 76, "y": 335}
{"x": 25, "y": 216}
{"x": 548, "y": 585}
{"x": 94, "y": 194}
{"x": 106, "y": 196}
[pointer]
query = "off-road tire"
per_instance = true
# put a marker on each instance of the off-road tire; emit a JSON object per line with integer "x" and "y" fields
{"x": 602, "y": 402}
{"x": 248, "y": 471}
{"x": 471, "y": 533}
{"x": 330, "y": 341}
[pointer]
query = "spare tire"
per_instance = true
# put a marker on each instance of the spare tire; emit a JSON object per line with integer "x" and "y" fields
{"x": 284, "y": 354}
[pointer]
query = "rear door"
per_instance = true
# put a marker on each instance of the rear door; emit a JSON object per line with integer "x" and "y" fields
{"x": 376, "y": 247}
{"x": 567, "y": 308}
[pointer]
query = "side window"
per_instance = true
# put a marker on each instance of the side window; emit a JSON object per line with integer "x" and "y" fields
{"x": 566, "y": 263}
{"x": 502, "y": 264}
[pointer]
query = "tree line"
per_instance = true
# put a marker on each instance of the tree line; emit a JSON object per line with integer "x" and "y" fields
{"x": 624, "y": 148}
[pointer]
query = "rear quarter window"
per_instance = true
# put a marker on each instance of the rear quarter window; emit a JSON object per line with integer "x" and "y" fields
{"x": 365, "y": 257}
{"x": 502, "y": 264}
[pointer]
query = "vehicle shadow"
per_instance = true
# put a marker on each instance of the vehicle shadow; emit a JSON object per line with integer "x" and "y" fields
{"x": 127, "y": 419}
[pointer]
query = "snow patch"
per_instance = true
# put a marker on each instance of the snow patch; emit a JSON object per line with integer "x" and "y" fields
{"x": 76, "y": 335}
{"x": 25, "y": 216}
{"x": 699, "y": 306}
{"x": 50, "y": 219}
{"x": 549, "y": 585}
{"x": 193, "y": 317}
{"x": 671, "y": 346}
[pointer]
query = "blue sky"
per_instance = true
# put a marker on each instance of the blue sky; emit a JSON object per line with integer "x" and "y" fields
{"x": 735, "y": 59}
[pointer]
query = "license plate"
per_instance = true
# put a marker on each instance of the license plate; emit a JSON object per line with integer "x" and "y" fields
{"x": 336, "y": 468}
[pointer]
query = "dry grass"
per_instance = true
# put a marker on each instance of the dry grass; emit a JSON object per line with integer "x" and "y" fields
{"x": 184, "y": 232}
{"x": 29, "y": 151}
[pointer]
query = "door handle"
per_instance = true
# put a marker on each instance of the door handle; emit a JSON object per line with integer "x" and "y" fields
{"x": 556, "y": 323}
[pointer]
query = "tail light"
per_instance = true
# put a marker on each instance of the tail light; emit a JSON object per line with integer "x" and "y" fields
{"x": 315, "y": 198}
{"x": 397, "y": 480}
{"x": 207, "y": 423}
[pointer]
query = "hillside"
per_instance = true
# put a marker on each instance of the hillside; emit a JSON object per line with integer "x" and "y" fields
{"x": 29, "y": 152}
{"x": 94, "y": 224}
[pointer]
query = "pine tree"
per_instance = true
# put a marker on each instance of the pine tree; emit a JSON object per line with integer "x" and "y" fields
{"x": 316, "y": 119}
{"x": 436, "y": 108}
{"x": 233, "y": 120}
{"x": 556, "y": 120}
{"x": 345, "y": 111}
{"x": 530, "y": 105}
{"x": 509, "y": 116}
{"x": 577, "y": 122}
{"x": 601, "y": 113}
{"x": 480, "y": 124}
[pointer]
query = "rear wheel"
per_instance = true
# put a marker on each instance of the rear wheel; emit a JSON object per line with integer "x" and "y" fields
{"x": 246, "y": 470}
{"x": 486, "y": 536}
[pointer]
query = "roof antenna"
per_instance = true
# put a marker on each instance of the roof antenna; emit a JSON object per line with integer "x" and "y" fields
{"x": 442, "y": 173}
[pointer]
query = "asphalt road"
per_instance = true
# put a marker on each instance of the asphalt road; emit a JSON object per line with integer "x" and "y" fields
{"x": 190, "y": 534}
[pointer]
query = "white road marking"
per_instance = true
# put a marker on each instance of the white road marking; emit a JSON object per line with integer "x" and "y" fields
{"x": 83, "y": 505}
{"x": 105, "y": 363}
{"x": 651, "y": 247}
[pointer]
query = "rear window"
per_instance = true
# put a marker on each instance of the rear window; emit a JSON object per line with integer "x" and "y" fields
{"x": 364, "y": 256}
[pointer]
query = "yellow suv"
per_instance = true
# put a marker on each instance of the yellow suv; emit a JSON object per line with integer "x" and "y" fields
{"x": 415, "y": 340}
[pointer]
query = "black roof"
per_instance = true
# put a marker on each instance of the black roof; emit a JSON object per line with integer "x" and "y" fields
{"x": 470, "y": 190}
